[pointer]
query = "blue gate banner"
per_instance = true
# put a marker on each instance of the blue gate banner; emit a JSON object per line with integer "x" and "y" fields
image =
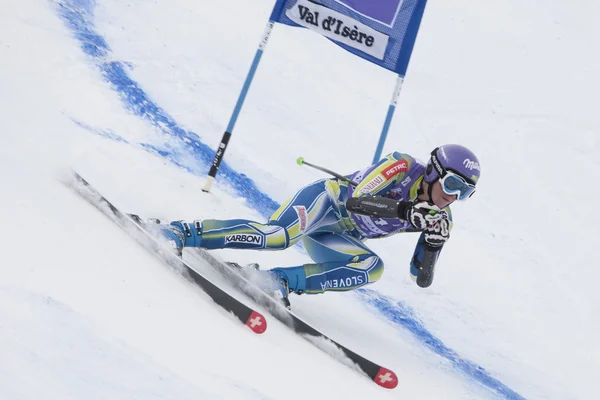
{"x": 380, "y": 31}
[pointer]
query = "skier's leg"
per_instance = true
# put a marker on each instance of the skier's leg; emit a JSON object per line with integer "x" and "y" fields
{"x": 312, "y": 208}
{"x": 342, "y": 263}
{"x": 232, "y": 233}
{"x": 309, "y": 209}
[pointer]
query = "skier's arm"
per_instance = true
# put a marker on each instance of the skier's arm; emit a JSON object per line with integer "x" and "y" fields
{"x": 421, "y": 214}
{"x": 426, "y": 254}
{"x": 434, "y": 223}
{"x": 422, "y": 264}
{"x": 384, "y": 175}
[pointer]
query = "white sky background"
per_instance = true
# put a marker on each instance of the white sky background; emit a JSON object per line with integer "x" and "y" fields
{"x": 85, "y": 313}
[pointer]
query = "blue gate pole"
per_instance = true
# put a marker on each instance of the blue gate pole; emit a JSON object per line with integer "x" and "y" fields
{"x": 388, "y": 118}
{"x": 220, "y": 153}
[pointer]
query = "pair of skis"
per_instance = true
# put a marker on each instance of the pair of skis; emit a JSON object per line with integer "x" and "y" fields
{"x": 247, "y": 315}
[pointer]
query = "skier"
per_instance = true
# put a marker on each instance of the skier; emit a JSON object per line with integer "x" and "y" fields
{"x": 333, "y": 218}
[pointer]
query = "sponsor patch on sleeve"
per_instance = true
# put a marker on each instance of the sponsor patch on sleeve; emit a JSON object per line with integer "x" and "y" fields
{"x": 372, "y": 184}
{"x": 395, "y": 168}
{"x": 302, "y": 217}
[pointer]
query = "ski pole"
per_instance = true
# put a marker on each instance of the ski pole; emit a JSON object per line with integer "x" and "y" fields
{"x": 301, "y": 161}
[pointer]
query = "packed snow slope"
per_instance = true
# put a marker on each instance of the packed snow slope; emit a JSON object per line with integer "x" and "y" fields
{"x": 136, "y": 95}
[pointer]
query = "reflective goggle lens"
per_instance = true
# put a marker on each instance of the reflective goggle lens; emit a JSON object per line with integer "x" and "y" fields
{"x": 455, "y": 184}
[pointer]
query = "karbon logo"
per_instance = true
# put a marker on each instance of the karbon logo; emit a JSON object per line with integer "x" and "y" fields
{"x": 251, "y": 239}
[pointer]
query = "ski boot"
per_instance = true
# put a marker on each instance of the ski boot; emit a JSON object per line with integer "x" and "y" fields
{"x": 172, "y": 233}
{"x": 272, "y": 282}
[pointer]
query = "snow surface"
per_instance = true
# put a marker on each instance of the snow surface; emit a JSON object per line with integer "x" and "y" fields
{"x": 135, "y": 96}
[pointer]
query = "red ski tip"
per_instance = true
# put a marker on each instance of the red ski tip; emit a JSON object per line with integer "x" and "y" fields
{"x": 257, "y": 322}
{"x": 386, "y": 378}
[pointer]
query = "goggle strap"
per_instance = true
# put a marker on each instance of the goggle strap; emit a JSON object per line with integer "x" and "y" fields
{"x": 436, "y": 164}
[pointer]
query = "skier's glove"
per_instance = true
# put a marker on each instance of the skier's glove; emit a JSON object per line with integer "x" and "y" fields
{"x": 421, "y": 215}
{"x": 431, "y": 220}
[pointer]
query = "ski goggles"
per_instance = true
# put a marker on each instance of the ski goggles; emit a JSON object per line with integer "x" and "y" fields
{"x": 452, "y": 183}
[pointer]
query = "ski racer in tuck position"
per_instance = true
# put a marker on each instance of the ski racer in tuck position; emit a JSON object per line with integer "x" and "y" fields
{"x": 333, "y": 218}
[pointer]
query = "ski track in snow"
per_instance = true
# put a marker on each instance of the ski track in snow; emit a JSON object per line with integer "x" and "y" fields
{"x": 50, "y": 330}
{"x": 78, "y": 16}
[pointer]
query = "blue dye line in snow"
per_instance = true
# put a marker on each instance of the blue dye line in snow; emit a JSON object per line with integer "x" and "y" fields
{"x": 100, "y": 132}
{"x": 402, "y": 314}
{"x": 78, "y": 15}
{"x": 166, "y": 154}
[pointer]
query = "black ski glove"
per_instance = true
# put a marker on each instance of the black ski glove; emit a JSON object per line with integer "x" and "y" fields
{"x": 420, "y": 214}
{"x": 429, "y": 219}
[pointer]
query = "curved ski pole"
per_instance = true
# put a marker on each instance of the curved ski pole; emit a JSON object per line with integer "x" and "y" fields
{"x": 300, "y": 161}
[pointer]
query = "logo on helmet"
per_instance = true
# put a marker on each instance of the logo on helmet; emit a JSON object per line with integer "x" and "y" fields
{"x": 471, "y": 164}
{"x": 444, "y": 153}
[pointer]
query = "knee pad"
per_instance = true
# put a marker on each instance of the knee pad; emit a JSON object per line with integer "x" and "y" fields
{"x": 374, "y": 266}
